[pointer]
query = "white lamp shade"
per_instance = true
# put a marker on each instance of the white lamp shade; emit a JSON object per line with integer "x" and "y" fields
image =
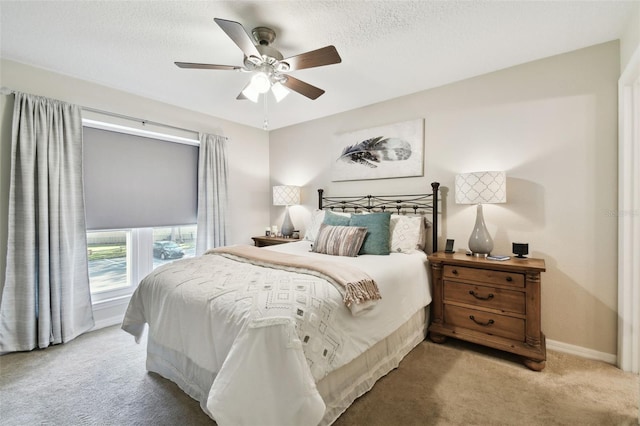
{"x": 286, "y": 195}
{"x": 251, "y": 93}
{"x": 279, "y": 91}
{"x": 481, "y": 188}
{"x": 261, "y": 82}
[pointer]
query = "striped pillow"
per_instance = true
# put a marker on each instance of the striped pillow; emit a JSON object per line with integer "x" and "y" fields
{"x": 339, "y": 240}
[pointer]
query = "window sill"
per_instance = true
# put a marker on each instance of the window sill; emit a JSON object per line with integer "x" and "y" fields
{"x": 111, "y": 301}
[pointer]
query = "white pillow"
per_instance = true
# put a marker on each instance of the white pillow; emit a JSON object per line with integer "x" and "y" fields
{"x": 407, "y": 233}
{"x": 317, "y": 216}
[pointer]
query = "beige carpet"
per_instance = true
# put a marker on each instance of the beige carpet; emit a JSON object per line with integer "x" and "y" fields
{"x": 100, "y": 379}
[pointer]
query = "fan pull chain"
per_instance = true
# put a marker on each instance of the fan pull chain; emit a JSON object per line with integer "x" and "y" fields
{"x": 265, "y": 124}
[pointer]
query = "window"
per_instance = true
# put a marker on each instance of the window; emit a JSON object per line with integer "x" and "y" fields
{"x": 109, "y": 254}
{"x": 173, "y": 242}
{"x": 119, "y": 259}
{"x": 137, "y": 187}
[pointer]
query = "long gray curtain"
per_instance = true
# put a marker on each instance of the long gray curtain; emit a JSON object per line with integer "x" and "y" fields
{"x": 212, "y": 193}
{"x": 46, "y": 297}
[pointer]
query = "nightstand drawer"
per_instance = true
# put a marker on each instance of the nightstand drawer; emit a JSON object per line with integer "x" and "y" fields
{"x": 485, "y": 322}
{"x": 485, "y": 276}
{"x": 486, "y": 297}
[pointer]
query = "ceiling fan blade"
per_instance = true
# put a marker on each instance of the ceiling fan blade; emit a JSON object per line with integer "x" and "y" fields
{"x": 207, "y": 66}
{"x": 311, "y": 92}
{"x": 239, "y": 35}
{"x": 316, "y": 58}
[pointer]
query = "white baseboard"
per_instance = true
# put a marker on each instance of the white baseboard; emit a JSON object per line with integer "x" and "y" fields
{"x": 106, "y": 322}
{"x": 109, "y": 312}
{"x": 582, "y": 352}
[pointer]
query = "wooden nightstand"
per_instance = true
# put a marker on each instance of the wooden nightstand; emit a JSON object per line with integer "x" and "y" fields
{"x": 272, "y": 241}
{"x": 489, "y": 302}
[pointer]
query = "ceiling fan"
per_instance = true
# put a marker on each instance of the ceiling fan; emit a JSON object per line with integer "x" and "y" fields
{"x": 269, "y": 66}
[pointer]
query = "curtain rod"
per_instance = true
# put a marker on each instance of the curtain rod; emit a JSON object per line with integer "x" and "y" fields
{"x": 141, "y": 120}
{"x": 6, "y": 91}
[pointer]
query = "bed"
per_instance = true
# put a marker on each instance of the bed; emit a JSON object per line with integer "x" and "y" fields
{"x": 288, "y": 334}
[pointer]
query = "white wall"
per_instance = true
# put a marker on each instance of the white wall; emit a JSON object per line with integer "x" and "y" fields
{"x": 552, "y": 126}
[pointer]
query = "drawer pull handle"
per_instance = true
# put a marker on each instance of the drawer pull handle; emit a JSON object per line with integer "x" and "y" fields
{"x": 474, "y": 294}
{"x": 509, "y": 279}
{"x": 484, "y": 324}
{"x": 454, "y": 272}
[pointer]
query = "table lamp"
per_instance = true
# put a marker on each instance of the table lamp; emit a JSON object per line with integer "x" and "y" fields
{"x": 285, "y": 195}
{"x": 481, "y": 188}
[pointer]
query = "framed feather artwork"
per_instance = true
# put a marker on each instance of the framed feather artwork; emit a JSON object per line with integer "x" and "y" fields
{"x": 391, "y": 151}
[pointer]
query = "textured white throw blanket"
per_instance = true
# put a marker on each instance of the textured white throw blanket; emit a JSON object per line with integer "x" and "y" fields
{"x": 359, "y": 291}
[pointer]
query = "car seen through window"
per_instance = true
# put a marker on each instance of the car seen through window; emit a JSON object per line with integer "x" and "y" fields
{"x": 167, "y": 250}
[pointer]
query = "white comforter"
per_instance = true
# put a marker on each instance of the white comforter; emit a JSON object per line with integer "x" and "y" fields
{"x": 268, "y": 335}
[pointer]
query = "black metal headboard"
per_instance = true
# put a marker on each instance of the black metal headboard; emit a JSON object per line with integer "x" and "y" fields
{"x": 416, "y": 203}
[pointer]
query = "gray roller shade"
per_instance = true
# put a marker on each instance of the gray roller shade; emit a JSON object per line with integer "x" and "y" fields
{"x": 135, "y": 182}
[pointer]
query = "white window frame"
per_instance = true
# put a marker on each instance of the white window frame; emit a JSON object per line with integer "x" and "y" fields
{"x": 139, "y": 263}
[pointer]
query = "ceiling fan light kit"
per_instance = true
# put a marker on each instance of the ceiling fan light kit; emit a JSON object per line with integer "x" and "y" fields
{"x": 268, "y": 63}
{"x": 261, "y": 82}
{"x": 279, "y": 91}
{"x": 249, "y": 92}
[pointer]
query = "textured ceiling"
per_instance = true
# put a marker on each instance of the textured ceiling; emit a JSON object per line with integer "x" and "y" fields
{"x": 388, "y": 48}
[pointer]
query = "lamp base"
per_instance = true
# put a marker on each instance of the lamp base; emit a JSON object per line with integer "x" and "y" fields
{"x": 287, "y": 226}
{"x": 480, "y": 254}
{"x": 480, "y": 242}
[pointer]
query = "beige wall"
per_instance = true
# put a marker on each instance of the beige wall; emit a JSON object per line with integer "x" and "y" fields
{"x": 630, "y": 40}
{"x": 248, "y": 148}
{"x": 552, "y": 126}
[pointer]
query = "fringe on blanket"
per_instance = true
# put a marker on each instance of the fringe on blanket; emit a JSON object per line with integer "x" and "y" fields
{"x": 360, "y": 291}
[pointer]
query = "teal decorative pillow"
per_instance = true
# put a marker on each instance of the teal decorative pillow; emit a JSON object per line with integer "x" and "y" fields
{"x": 377, "y": 224}
{"x": 335, "y": 219}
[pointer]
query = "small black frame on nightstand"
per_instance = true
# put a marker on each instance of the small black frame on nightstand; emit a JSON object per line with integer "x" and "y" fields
{"x": 449, "y": 247}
